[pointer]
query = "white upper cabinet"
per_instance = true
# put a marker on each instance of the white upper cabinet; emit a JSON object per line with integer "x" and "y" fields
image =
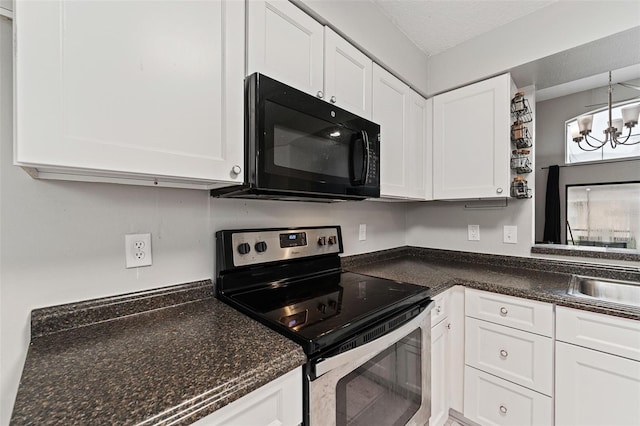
{"x": 290, "y": 46}
{"x": 471, "y": 141}
{"x": 403, "y": 118}
{"x": 347, "y": 75}
{"x": 286, "y": 44}
{"x": 131, "y": 92}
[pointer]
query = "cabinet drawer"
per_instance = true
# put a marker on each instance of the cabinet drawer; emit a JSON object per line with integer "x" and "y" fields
{"x": 518, "y": 356}
{"x": 440, "y": 308}
{"x": 614, "y": 335}
{"x": 489, "y": 400}
{"x": 523, "y": 314}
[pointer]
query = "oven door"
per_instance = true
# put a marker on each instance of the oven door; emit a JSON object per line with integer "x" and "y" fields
{"x": 307, "y": 145}
{"x": 384, "y": 382}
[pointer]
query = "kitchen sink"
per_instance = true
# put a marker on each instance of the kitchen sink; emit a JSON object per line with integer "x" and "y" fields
{"x": 616, "y": 291}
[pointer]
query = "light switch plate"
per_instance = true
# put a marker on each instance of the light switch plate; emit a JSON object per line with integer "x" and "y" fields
{"x": 473, "y": 232}
{"x": 362, "y": 232}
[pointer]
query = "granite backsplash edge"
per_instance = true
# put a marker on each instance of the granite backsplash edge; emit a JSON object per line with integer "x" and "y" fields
{"x": 567, "y": 267}
{"x": 55, "y": 319}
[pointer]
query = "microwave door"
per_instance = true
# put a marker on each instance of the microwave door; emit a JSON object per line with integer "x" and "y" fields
{"x": 359, "y": 160}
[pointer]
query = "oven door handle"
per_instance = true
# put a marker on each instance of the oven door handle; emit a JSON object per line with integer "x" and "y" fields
{"x": 376, "y": 346}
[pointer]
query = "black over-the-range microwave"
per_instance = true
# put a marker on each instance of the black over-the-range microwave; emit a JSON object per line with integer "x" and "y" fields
{"x": 299, "y": 147}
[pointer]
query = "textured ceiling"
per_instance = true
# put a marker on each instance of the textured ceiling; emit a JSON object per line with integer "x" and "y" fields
{"x": 437, "y": 25}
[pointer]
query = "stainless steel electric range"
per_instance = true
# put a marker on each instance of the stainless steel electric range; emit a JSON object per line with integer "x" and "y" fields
{"x": 366, "y": 338}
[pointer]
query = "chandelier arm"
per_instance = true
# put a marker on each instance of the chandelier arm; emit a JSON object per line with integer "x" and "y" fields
{"x": 624, "y": 142}
{"x": 586, "y": 139}
{"x": 593, "y": 148}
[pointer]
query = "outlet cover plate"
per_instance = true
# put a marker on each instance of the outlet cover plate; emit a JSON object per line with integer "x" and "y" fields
{"x": 137, "y": 250}
{"x": 473, "y": 232}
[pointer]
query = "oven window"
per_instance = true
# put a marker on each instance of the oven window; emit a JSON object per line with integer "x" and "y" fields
{"x": 386, "y": 390}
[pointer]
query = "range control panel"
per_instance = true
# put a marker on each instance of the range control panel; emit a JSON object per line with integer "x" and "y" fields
{"x": 255, "y": 247}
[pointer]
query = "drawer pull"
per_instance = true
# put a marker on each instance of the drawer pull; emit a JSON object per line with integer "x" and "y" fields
{"x": 503, "y": 409}
{"x": 438, "y": 309}
{"x": 504, "y": 353}
{"x": 449, "y": 326}
{"x": 504, "y": 311}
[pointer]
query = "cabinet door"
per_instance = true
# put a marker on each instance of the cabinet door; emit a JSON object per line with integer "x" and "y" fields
{"x": 456, "y": 348}
{"x": 347, "y": 75}
{"x": 402, "y": 115}
{"x": 131, "y": 88}
{"x": 471, "y": 141}
{"x": 439, "y": 374}
{"x": 595, "y": 388}
{"x": 277, "y": 403}
{"x": 285, "y": 43}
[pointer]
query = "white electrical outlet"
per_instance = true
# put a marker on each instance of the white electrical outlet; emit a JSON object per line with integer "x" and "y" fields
{"x": 510, "y": 234}
{"x": 137, "y": 250}
{"x": 362, "y": 232}
{"x": 473, "y": 232}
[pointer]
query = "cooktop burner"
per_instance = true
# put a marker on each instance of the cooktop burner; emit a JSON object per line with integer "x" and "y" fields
{"x": 298, "y": 288}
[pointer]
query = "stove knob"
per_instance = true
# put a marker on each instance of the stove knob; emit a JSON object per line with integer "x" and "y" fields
{"x": 322, "y": 241}
{"x": 244, "y": 248}
{"x": 322, "y": 308}
{"x": 333, "y": 240}
{"x": 333, "y": 304}
{"x": 261, "y": 246}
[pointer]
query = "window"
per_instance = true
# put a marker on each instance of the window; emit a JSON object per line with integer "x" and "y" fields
{"x": 605, "y": 215}
{"x": 574, "y": 154}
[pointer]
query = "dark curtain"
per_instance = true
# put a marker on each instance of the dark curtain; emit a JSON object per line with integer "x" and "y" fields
{"x": 552, "y": 207}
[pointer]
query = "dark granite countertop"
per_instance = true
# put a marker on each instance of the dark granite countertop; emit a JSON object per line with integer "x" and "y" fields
{"x": 176, "y": 354}
{"x": 169, "y": 364}
{"x": 535, "y": 279}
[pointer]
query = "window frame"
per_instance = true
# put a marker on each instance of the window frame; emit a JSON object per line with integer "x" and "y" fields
{"x": 566, "y": 201}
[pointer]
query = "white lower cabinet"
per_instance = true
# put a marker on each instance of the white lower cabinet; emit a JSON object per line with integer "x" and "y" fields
{"x": 509, "y": 360}
{"x": 278, "y": 403}
{"x": 447, "y": 351}
{"x": 489, "y": 400}
{"x": 597, "y": 369}
{"x": 439, "y": 376}
{"x": 521, "y": 357}
{"x": 595, "y": 388}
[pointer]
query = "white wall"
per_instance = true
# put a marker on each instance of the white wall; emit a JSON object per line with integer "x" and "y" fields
{"x": 443, "y": 225}
{"x": 62, "y": 242}
{"x": 551, "y": 116}
{"x": 552, "y": 29}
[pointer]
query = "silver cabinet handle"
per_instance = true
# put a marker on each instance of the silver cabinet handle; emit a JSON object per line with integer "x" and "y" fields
{"x": 438, "y": 309}
{"x": 236, "y": 169}
{"x": 499, "y": 190}
{"x": 333, "y": 99}
{"x": 504, "y": 353}
{"x": 320, "y": 94}
{"x": 503, "y": 409}
{"x": 504, "y": 311}
{"x": 449, "y": 326}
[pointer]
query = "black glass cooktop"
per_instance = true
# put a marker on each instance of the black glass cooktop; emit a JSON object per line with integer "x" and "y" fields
{"x": 320, "y": 311}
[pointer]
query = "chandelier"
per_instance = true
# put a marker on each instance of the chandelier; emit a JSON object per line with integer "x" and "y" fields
{"x": 613, "y": 133}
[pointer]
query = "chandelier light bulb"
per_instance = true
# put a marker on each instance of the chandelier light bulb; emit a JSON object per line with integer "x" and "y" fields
{"x": 630, "y": 115}
{"x": 575, "y": 132}
{"x": 584, "y": 124}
